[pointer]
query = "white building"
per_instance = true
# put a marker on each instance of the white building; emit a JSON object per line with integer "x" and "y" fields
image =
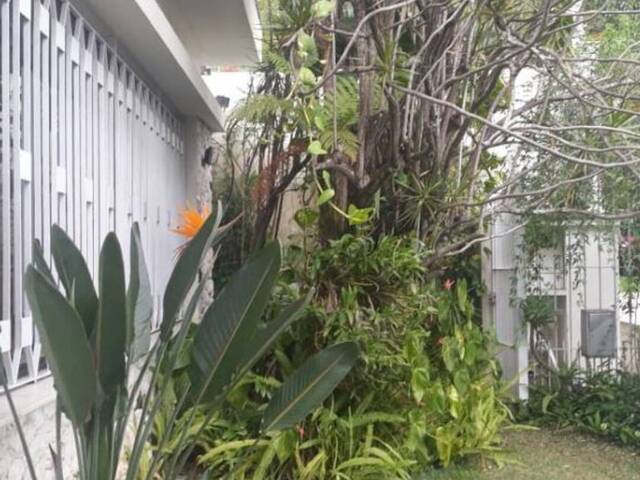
{"x": 579, "y": 275}
{"x": 104, "y": 118}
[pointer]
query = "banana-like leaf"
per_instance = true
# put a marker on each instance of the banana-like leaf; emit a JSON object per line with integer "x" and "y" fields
{"x": 230, "y": 323}
{"x": 75, "y": 277}
{"x": 186, "y": 270}
{"x": 309, "y": 386}
{"x": 65, "y": 344}
{"x": 139, "y": 300}
{"x": 111, "y": 327}
{"x": 40, "y": 263}
{"x": 268, "y": 333}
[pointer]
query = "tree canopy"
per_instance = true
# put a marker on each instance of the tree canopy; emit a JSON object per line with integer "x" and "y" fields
{"x": 436, "y": 116}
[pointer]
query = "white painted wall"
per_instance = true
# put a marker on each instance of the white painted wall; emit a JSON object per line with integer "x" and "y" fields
{"x": 588, "y": 281}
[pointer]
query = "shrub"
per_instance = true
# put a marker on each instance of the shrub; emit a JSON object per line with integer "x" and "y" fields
{"x": 425, "y": 393}
{"x": 606, "y": 404}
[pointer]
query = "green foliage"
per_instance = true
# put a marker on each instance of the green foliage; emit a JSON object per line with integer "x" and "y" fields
{"x": 416, "y": 336}
{"x": 455, "y": 388}
{"x": 425, "y": 393}
{"x": 298, "y": 395}
{"x": 65, "y": 344}
{"x": 538, "y": 311}
{"x": 604, "y": 403}
{"x": 541, "y": 232}
{"x": 93, "y": 368}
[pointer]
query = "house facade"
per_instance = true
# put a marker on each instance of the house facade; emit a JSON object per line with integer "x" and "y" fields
{"x": 577, "y": 276}
{"x": 104, "y": 120}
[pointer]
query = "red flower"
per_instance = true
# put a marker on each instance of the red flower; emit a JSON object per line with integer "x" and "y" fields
{"x": 448, "y": 284}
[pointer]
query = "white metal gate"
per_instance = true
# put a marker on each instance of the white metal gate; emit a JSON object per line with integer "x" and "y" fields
{"x": 83, "y": 143}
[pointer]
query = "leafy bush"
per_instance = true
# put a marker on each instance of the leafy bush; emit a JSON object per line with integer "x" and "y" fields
{"x": 455, "y": 388}
{"x": 93, "y": 341}
{"x": 605, "y": 404}
{"x": 425, "y": 393}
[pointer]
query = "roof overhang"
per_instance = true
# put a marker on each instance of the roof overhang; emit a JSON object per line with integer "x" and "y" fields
{"x": 147, "y": 39}
{"x": 217, "y": 32}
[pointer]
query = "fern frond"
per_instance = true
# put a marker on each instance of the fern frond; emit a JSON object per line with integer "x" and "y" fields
{"x": 277, "y": 61}
{"x": 257, "y": 108}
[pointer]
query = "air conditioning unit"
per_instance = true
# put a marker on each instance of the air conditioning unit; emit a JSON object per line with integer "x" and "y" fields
{"x": 599, "y": 337}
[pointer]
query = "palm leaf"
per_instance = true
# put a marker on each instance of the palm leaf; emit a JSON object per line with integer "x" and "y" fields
{"x": 309, "y": 386}
{"x": 65, "y": 344}
{"x": 268, "y": 333}
{"x": 220, "y": 344}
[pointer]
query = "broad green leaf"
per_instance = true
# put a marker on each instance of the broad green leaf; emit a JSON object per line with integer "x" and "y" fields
{"x": 326, "y": 196}
{"x": 323, "y": 8}
{"x": 305, "y": 217}
{"x": 111, "y": 327}
{"x": 139, "y": 300}
{"x": 462, "y": 380}
{"x": 65, "y": 345}
{"x": 419, "y": 383}
{"x": 186, "y": 271}
{"x": 40, "y": 263}
{"x": 285, "y": 445}
{"x": 307, "y": 77}
{"x": 326, "y": 177}
{"x": 449, "y": 354}
{"x": 315, "y": 148}
{"x": 268, "y": 333}
{"x": 358, "y": 216}
{"x": 307, "y": 48}
{"x": 319, "y": 121}
{"x": 309, "y": 386}
{"x": 230, "y": 323}
{"x": 75, "y": 277}
{"x": 461, "y": 293}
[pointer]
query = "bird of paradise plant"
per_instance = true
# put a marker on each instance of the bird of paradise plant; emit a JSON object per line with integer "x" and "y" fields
{"x": 192, "y": 220}
{"x": 111, "y": 374}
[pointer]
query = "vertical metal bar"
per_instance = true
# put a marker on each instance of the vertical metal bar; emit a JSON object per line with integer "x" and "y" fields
{"x": 111, "y": 143}
{"x": 47, "y": 99}
{"x": 81, "y": 141}
{"x": 68, "y": 127}
{"x": 36, "y": 82}
{"x": 6, "y": 85}
{"x": 16, "y": 210}
{"x": 59, "y": 115}
{"x": 27, "y": 163}
{"x": 76, "y": 133}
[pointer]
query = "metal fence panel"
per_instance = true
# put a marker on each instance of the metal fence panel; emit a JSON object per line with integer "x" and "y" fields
{"x": 84, "y": 143}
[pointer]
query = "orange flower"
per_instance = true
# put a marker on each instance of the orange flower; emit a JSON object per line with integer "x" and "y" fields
{"x": 192, "y": 221}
